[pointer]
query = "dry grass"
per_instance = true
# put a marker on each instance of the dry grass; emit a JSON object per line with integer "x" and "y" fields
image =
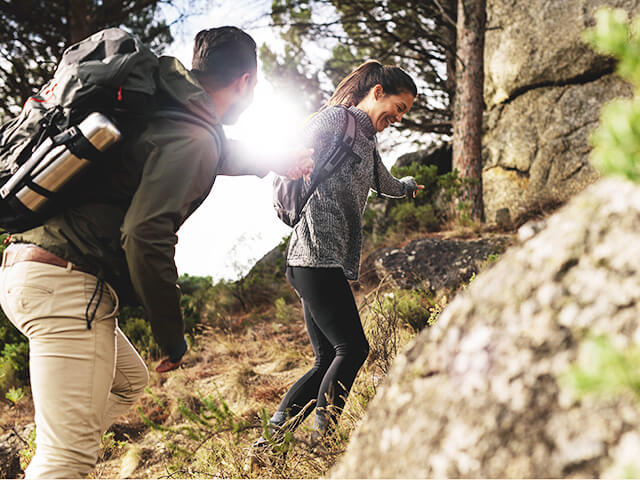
{"x": 250, "y": 368}
{"x": 251, "y": 371}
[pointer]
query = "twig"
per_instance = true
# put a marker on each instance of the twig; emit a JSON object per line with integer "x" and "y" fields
{"x": 18, "y": 435}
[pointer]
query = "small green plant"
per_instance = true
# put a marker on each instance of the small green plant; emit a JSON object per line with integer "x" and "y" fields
{"x": 14, "y": 395}
{"x": 616, "y": 141}
{"x": 14, "y": 366}
{"x": 392, "y": 318}
{"x": 110, "y": 447}
{"x": 493, "y": 257}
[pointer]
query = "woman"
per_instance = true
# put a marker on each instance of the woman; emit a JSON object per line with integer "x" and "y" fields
{"x": 324, "y": 250}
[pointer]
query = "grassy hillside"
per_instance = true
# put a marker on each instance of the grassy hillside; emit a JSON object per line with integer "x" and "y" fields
{"x": 247, "y": 346}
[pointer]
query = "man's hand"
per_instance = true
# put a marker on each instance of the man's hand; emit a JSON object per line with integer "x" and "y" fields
{"x": 298, "y": 163}
{"x": 167, "y": 365}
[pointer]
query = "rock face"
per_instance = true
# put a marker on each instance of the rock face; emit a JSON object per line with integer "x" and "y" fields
{"x": 435, "y": 263}
{"x": 543, "y": 89}
{"x": 482, "y": 393}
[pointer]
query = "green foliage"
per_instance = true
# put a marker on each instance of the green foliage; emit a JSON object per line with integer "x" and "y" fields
{"x": 616, "y": 141}
{"x": 392, "y": 318}
{"x": 16, "y": 355}
{"x": 291, "y": 68}
{"x": 109, "y": 446}
{"x": 197, "y": 292}
{"x": 428, "y": 211}
{"x": 212, "y": 417}
{"x": 409, "y": 216}
{"x": 138, "y": 331}
{"x": 604, "y": 369}
{"x": 27, "y": 453}
{"x": 284, "y": 313}
{"x": 264, "y": 282}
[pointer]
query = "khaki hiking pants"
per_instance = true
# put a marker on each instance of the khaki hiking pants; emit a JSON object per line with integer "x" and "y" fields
{"x": 81, "y": 379}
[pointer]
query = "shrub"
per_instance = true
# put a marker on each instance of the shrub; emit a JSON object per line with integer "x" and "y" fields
{"x": 17, "y": 356}
{"x": 14, "y": 366}
{"x": 409, "y": 216}
{"x": 264, "y": 283}
{"x": 284, "y": 313}
{"x": 414, "y": 307}
{"x": 428, "y": 211}
{"x": 138, "y": 331}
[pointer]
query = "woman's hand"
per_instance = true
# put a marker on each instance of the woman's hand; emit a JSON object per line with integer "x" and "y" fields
{"x": 411, "y": 187}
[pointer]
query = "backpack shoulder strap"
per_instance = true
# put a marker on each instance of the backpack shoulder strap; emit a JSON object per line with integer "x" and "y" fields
{"x": 342, "y": 151}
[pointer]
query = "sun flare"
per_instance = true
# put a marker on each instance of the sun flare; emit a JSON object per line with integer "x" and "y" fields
{"x": 273, "y": 122}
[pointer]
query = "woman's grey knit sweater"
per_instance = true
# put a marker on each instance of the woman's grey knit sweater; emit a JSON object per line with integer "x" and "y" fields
{"x": 329, "y": 233}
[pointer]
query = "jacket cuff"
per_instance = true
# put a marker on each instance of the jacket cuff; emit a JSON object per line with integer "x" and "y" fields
{"x": 177, "y": 350}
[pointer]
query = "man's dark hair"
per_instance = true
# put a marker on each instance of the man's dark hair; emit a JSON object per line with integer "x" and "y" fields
{"x": 220, "y": 55}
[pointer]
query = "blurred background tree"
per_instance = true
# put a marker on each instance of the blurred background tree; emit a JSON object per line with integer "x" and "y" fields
{"x": 34, "y": 33}
{"x": 418, "y": 35}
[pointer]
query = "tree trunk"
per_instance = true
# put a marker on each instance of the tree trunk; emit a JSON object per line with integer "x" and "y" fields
{"x": 469, "y": 103}
{"x": 78, "y": 21}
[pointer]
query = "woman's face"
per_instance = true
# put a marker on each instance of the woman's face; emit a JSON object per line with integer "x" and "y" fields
{"x": 387, "y": 109}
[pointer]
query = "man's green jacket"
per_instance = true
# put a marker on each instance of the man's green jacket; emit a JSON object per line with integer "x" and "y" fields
{"x": 122, "y": 225}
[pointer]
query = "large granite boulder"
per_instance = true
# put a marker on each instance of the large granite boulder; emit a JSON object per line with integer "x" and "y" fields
{"x": 536, "y": 147}
{"x": 543, "y": 89}
{"x": 483, "y": 393}
{"x": 539, "y": 43}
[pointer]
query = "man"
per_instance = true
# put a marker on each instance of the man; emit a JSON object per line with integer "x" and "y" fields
{"x": 61, "y": 283}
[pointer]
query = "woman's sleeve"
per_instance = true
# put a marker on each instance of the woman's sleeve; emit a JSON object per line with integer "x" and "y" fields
{"x": 390, "y": 186}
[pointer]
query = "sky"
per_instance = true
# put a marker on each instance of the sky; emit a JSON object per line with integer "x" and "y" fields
{"x": 237, "y": 225}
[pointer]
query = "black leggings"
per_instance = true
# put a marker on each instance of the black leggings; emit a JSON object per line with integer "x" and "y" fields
{"x": 338, "y": 341}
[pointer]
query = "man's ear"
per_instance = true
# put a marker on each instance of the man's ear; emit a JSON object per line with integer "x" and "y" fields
{"x": 242, "y": 82}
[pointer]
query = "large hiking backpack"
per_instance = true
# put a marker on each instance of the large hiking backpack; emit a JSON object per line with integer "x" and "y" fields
{"x": 112, "y": 73}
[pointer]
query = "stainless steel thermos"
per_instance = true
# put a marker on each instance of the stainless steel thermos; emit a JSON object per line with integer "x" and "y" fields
{"x": 54, "y": 164}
